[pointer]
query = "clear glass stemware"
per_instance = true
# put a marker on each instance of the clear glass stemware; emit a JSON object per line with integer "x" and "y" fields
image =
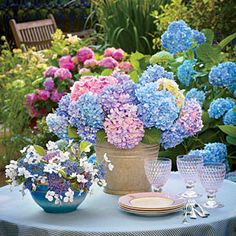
{"x": 188, "y": 167}
{"x": 211, "y": 176}
{"x": 158, "y": 172}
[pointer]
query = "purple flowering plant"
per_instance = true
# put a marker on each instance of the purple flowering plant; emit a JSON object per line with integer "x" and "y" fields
{"x": 63, "y": 168}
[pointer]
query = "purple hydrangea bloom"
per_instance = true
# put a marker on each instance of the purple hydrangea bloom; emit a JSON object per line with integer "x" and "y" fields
{"x": 72, "y": 167}
{"x": 123, "y": 127}
{"x": 63, "y": 106}
{"x": 156, "y": 108}
{"x": 121, "y": 77}
{"x": 198, "y": 37}
{"x": 57, "y": 184}
{"x": 219, "y": 107}
{"x": 58, "y": 125}
{"x": 50, "y": 71}
{"x": 224, "y": 75}
{"x": 48, "y": 84}
{"x": 230, "y": 117}
{"x": 153, "y": 73}
{"x": 186, "y": 73}
{"x": 195, "y": 94}
{"x": 117, "y": 95}
{"x": 87, "y": 116}
{"x": 177, "y": 37}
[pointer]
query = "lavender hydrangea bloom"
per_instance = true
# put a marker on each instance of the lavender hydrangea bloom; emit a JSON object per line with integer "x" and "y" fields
{"x": 121, "y": 77}
{"x": 63, "y": 106}
{"x": 117, "y": 95}
{"x": 57, "y": 184}
{"x": 186, "y": 73}
{"x": 156, "y": 108}
{"x": 87, "y": 116}
{"x": 72, "y": 167}
{"x": 195, "y": 94}
{"x": 219, "y": 107}
{"x": 177, "y": 37}
{"x": 48, "y": 84}
{"x": 230, "y": 117}
{"x": 123, "y": 127}
{"x": 217, "y": 151}
{"x": 198, "y": 37}
{"x": 224, "y": 75}
{"x": 153, "y": 73}
{"x": 58, "y": 125}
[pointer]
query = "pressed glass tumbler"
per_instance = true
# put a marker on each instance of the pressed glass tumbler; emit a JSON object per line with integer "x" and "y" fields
{"x": 188, "y": 168}
{"x": 211, "y": 176}
{"x": 157, "y": 172}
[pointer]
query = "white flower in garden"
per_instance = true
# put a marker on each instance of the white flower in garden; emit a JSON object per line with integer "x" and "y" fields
{"x": 64, "y": 156}
{"x": 103, "y": 182}
{"x": 24, "y": 150}
{"x": 51, "y": 146}
{"x": 82, "y": 161}
{"x": 88, "y": 167}
{"x": 50, "y": 195}
{"x": 11, "y": 170}
{"x": 42, "y": 180}
{"x": 106, "y": 158}
{"x": 110, "y": 166}
{"x": 73, "y": 175}
{"x": 81, "y": 179}
{"x": 69, "y": 196}
{"x": 52, "y": 167}
{"x": 23, "y": 172}
{"x": 94, "y": 172}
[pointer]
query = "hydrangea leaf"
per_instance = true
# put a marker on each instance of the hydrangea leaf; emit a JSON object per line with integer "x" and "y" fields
{"x": 72, "y": 133}
{"x": 231, "y": 140}
{"x": 134, "y": 76}
{"x": 101, "y": 136}
{"x": 107, "y": 72}
{"x": 209, "y": 34}
{"x": 228, "y": 129}
{"x": 152, "y": 136}
{"x": 160, "y": 57}
{"x": 84, "y": 147}
{"x": 40, "y": 150}
{"x": 227, "y": 40}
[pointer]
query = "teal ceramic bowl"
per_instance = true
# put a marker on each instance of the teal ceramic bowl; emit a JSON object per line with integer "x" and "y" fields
{"x": 51, "y": 207}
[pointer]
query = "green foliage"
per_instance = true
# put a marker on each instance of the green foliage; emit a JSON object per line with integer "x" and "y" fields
{"x": 101, "y": 136}
{"x": 152, "y": 136}
{"x": 127, "y": 23}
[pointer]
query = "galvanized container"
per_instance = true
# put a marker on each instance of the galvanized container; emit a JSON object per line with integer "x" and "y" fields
{"x": 128, "y": 175}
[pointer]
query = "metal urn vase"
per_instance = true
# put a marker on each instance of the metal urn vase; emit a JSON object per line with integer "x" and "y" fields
{"x": 128, "y": 175}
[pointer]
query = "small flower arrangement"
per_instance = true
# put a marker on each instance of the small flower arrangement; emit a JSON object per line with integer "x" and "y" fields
{"x": 58, "y": 79}
{"x": 123, "y": 113}
{"x": 63, "y": 167}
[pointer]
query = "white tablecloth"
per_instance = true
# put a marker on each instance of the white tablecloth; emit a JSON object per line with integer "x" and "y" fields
{"x": 100, "y": 215}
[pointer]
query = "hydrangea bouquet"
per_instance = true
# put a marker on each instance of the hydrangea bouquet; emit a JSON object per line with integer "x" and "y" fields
{"x": 63, "y": 168}
{"x": 115, "y": 109}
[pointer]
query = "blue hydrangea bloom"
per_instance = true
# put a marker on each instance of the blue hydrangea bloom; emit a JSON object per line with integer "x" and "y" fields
{"x": 219, "y": 107}
{"x": 63, "y": 106}
{"x": 57, "y": 184}
{"x": 186, "y": 73}
{"x": 72, "y": 167}
{"x": 87, "y": 116}
{"x": 230, "y": 117}
{"x": 217, "y": 152}
{"x": 121, "y": 76}
{"x": 224, "y": 75}
{"x": 201, "y": 153}
{"x": 156, "y": 108}
{"x": 92, "y": 158}
{"x": 198, "y": 37}
{"x": 178, "y": 37}
{"x": 153, "y": 73}
{"x": 58, "y": 125}
{"x": 196, "y": 94}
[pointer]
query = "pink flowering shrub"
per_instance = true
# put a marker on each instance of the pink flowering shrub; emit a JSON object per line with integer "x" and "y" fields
{"x": 84, "y": 54}
{"x": 66, "y": 62}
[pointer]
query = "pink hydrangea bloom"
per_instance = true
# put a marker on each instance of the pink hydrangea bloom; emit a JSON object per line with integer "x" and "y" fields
{"x": 34, "y": 112}
{"x": 92, "y": 84}
{"x": 66, "y": 62}
{"x": 63, "y": 73}
{"x": 56, "y": 96}
{"x": 84, "y": 70}
{"x": 91, "y": 63}
{"x": 84, "y": 54}
{"x": 108, "y": 52}
{"x": 125, "y": 66}
{"x": 123, "y": 127}
{"x": 191, "y": 117}
{"x": 43, "y": 94}
{"x": 31, "y": 98}
{"x": 50, "y": 71}
{"x": 108, "y": 62}
{"x": 118, "y": 54}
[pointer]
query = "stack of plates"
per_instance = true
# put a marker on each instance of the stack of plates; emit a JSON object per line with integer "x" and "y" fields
{"x": 151, "y": 203}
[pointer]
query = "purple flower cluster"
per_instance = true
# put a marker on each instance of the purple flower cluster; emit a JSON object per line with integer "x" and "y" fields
{"x": 123, "y": 127}
{"x": 57, "y": 184}
{"x": 63, "y": 106}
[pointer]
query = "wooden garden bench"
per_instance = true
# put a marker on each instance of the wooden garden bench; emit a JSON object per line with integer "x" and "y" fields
{"x": 38, "y": 33}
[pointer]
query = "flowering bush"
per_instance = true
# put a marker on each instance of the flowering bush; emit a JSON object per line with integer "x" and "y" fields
{"x": 205, "y": 75}
{"x": 63, "y": 167}
{"x": 125, "y": 113}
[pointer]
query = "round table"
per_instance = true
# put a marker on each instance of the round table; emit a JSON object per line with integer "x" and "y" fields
{"x": 99, "y": 215}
